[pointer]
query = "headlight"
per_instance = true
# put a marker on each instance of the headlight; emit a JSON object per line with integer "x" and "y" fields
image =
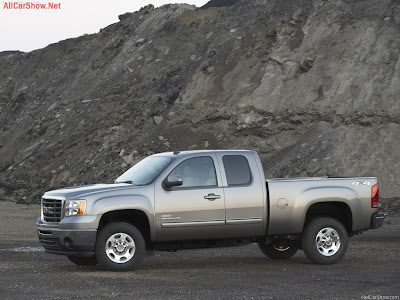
{"x": 75, "y": 207}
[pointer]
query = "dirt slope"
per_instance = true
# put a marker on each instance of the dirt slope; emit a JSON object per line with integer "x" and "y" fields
{"x": 313, "y": 86}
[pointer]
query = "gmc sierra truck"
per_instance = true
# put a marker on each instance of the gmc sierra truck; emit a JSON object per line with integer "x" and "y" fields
{"x": 198, "y": 199}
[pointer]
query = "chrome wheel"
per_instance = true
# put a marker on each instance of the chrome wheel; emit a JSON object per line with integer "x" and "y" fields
{"x": 120, "y": 248}
{"x": 327, "y": 241}
{"x": 281, "y": 246}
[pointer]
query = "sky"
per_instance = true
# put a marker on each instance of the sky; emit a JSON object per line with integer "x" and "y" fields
{"x": 26, "y": 29}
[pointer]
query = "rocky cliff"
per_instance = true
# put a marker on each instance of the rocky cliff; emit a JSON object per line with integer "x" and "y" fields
{"x": 312, "y": 85}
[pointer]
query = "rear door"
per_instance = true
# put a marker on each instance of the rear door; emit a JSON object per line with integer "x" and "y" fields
{"x": 195, "y": 210}
{"x": 244, "y": 196}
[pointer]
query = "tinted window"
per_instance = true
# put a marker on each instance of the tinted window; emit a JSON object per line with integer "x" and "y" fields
{"x": 146, "y": 170}
{"x": 197, "y": 172}
{"x": 237, "y": 169}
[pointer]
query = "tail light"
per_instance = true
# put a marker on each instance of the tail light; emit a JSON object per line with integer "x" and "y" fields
{"x": 375, "y": 196}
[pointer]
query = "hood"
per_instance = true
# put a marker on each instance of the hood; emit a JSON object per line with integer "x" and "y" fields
{"x": 85, "y": 190}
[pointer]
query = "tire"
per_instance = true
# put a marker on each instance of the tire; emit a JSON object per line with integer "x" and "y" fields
{"x": 83, "y": 261}
{"x": 120, "y": 247}
{"x": 280, "y": 249}
{"x": 325, "y": 241}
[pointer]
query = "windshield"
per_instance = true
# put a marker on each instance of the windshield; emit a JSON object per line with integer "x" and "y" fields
{"x": 145, "y": 171}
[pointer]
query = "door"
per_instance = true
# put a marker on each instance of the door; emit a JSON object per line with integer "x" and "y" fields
{"x": 244, "y": 196}
{"x": 196, "y": 209}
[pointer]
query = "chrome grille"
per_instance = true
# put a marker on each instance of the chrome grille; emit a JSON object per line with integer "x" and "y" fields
{"x": 52, "y": 210}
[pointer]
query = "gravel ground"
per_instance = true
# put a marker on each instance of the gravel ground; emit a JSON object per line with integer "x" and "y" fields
{"x": 370, "y": 268}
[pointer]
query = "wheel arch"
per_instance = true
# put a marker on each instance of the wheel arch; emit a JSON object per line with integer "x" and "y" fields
{"x": 135, "y": 217}
{"x": 328, "y": 201}
{"x": 338, "y": 210}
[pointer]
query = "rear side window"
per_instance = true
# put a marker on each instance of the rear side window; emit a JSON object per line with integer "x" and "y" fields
{"x": 237, "y": 169}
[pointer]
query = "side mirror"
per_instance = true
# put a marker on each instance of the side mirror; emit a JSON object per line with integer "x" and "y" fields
{"x": 172, "y": 180}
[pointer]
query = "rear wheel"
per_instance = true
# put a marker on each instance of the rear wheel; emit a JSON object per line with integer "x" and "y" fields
{"x": 83, "y": 261}
{"x": 120, "y": 247}
{"x": 280, "y": 248}
{"x": 325, "y": 241}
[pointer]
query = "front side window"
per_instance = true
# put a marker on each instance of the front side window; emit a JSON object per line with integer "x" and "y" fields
{"x": 237, "y": 169}
{"x": 197, "y": 172}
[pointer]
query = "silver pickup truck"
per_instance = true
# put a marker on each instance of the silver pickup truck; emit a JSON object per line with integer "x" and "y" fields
{"x": 198, "y": 199}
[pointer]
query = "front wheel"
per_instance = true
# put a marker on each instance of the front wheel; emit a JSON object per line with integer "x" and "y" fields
{"x": 324, "y": 241}
{"x": 120, "y": 247}
{"x": 279, "y": 249}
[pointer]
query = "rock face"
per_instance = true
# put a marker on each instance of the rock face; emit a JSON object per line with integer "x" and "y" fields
{"x": 313, "y": 86}
{"x": 6, "y": 53}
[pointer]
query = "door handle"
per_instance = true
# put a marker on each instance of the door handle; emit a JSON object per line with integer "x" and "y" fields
{"x": 212, "y": 197}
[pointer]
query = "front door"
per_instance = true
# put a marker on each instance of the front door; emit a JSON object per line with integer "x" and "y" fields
{"x": 196, "y": 209}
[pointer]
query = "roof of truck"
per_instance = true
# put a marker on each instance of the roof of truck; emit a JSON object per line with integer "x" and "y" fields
{"x": 191, "y": 152}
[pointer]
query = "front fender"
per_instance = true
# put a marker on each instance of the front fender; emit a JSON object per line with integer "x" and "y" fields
{"x": 124, "y": 202}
